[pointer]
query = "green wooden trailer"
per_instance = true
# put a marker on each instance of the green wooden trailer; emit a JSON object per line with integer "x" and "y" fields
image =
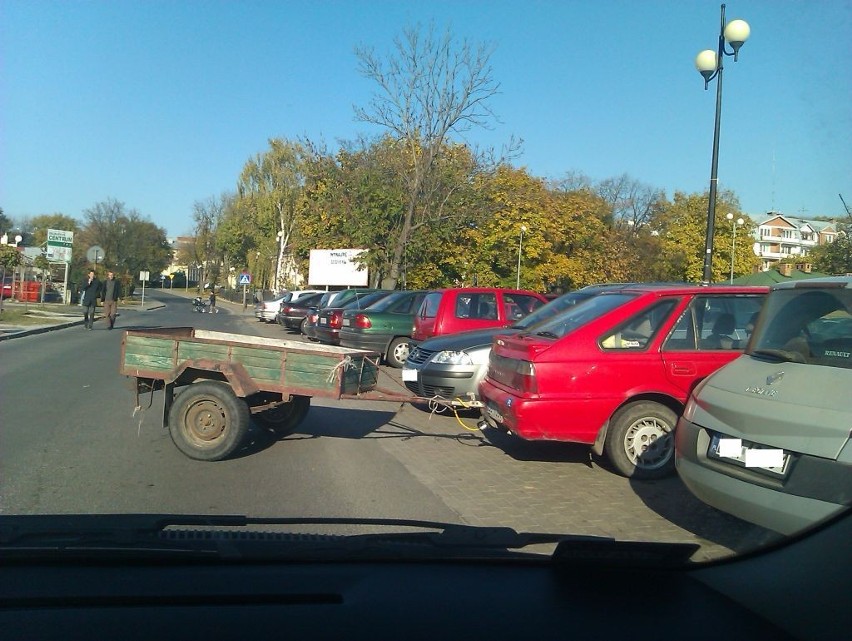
{"x": 215, "y": 381}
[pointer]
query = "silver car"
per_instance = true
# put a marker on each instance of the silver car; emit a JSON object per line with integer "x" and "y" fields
{"x": 767, "y": 437}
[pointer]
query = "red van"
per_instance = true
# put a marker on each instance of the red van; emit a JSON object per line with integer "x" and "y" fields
{"x": 616, "y": 370}
{"x": 448, "y": 311}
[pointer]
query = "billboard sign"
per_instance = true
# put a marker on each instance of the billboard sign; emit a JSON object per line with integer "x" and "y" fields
{"x": 337, "y": 267}
{"x": 59, "y": 245}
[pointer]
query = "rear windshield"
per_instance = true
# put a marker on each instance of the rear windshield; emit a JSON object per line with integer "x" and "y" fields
{"x": 805, "y": 325}
{"x": 360, "y": 301}
{"x": 308, "y": 300}
{"x": 554, "y": 307}
{"x": 578, "y": 315}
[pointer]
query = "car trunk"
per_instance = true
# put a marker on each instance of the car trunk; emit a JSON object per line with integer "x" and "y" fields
{"x": 769, "y": 401}
{"x": 510, "y": 362}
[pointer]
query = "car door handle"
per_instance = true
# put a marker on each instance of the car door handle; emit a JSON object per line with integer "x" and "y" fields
{"x": 683, "y": 369}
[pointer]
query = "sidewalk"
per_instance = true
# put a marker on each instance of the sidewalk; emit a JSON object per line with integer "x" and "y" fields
{"x": 54, "y": 316}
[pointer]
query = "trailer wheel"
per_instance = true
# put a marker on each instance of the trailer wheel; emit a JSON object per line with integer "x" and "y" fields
{"x": 285, "y": 418}
{"x": 207, "y": 421}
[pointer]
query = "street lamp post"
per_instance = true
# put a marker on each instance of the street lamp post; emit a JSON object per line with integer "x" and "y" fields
{"x": 709, "y": 63}
{"x": 520, "y": 246}
{"x": 738, "y": 221}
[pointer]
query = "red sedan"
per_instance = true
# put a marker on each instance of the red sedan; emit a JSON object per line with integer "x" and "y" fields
{"x": 616, "y": 371}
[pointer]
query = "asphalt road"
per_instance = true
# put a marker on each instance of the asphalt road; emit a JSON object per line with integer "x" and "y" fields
{"x": 69, "y": 443}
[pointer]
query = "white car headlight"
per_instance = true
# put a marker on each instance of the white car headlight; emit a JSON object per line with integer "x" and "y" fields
{"x": 452, "y": 358}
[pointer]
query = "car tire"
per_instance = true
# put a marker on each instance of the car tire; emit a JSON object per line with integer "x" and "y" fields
{"x": 207, "y": 421}
{"x": 302, "y": 326}
{"x": 640, "y": 440}
{"x": 398, "y": 351}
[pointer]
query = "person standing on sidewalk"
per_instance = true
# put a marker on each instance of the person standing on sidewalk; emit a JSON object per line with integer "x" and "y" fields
{"x": 91, "y": 291}
{"x": 110, "y": 295}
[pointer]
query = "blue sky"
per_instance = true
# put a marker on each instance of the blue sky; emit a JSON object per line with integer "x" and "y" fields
{"x": 159, "y": 104}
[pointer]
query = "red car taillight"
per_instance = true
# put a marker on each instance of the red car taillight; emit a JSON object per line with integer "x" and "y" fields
{"x": 524, "y": 379}
{"x": 312, "y": 318}
{"x": 335, "y": 320}
{"x": 363, "y": 322}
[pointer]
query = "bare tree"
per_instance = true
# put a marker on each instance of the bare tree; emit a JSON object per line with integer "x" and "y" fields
{"x": 431, "y": 86}
{"x": 630, "y": 201}
{"x": 207, "y": 215}
{"x": 572, "y": 181}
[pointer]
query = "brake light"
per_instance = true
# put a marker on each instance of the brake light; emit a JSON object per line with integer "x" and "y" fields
{"x": 524, "y": 378}
{"x": 335, "y": 320}
{"x": 363, "y": 322}
{"x": 312, "y": 318}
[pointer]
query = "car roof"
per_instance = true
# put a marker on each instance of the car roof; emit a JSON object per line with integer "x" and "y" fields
{"x": 476, "y": 290}
{"x": 676, "y": 289}
{"x": 806, "y": 283}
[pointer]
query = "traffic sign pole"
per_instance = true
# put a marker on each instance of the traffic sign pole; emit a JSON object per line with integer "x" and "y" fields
{"x": 245, "y": 281}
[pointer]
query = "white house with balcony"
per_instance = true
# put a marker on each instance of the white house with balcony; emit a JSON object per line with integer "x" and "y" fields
{"x": 779, "y": 237}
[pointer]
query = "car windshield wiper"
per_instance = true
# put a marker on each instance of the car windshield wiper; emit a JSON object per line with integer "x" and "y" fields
{"x": 784, "y": 355}
{"x": 239, "y": 537}
{"x": 546, "y": 334}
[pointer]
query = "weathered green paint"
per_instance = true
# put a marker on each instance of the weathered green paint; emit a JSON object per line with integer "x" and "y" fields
{"x": 193, "y": 351}
{"x": 261, "y": 364}
{"x": 149, "y": 353}
{"x": 271, "y": 367}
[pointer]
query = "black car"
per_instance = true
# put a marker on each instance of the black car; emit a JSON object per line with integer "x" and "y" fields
{"x": 292, "y": 315}
{"x": 330, "y": 319}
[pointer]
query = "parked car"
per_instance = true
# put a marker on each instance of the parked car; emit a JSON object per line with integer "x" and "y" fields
{"x": 328, "y": 299}
{"x": 767, "y": 438}
{"x": 292, "y": 314}
{"x": 448, "y": 311}
{"x": 453, "y": 366}
{"x": 384, "y": 326}
{"x": 330, "y": 319}
{"x": 267, "y": 310}
{"x": 616, "y": 370}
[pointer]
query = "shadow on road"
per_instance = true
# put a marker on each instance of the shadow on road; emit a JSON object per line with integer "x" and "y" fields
{"x": 545, "y": 451}
{"x": 328, "y": 422}
{"x": 673, "y": 501}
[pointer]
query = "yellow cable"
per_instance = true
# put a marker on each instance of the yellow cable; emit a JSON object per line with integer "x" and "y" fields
{"x": 458, "y": 418}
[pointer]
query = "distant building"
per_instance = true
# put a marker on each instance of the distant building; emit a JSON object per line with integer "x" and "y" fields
{"x": 779, "y": 236}
{"x": 176, "y": 265}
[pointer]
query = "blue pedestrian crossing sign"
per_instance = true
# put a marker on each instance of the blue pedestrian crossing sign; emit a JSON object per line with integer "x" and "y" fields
{"x": 245, "y": 278}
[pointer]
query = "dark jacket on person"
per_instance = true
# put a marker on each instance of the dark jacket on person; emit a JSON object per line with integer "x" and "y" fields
{"x": 91, "y": 292}
{"x": 105, "y": 290}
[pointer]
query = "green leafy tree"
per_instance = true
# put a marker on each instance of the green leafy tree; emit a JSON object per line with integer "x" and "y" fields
{"x": 40, "y": 224}
{"x": 565, "y": 242}
{"x": 10, "y": 258}
{"x": 681, "y": 226}
{"x": 835, "y": 257}
{"x": 258, "y": 227}
{"x": 5, "y": 223}
{"x": 130, "y": 242}
{"x": 357, "y": 198}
